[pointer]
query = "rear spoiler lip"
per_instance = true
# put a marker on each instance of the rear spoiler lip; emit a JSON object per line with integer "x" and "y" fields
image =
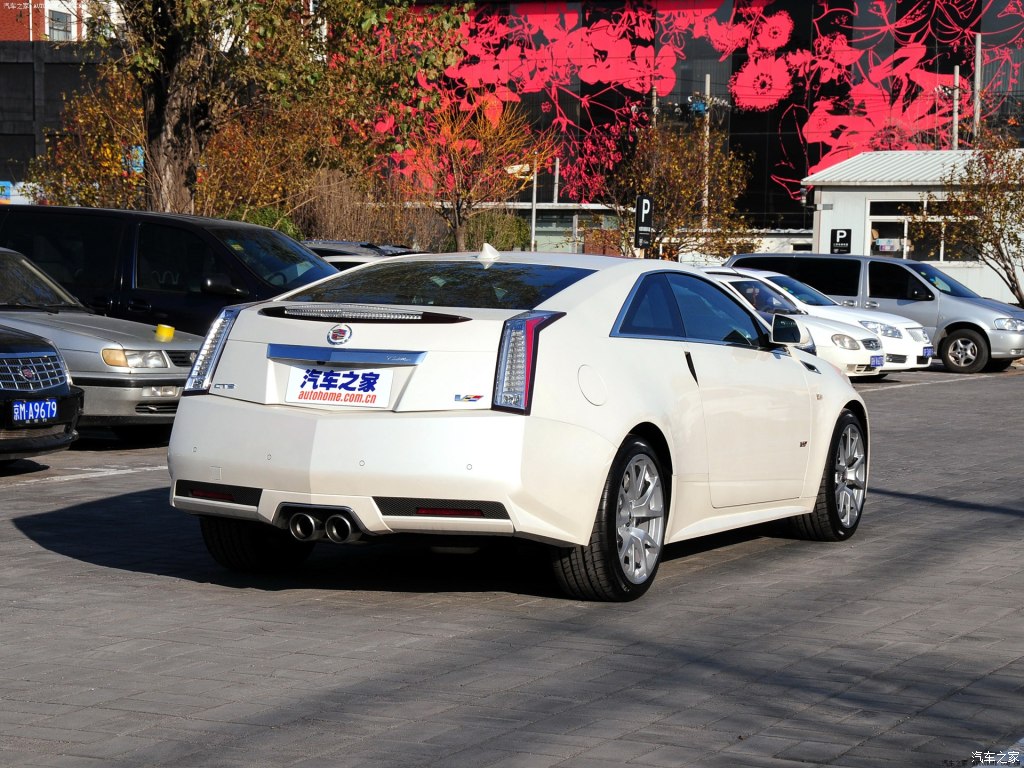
{"x": 359, "y": 313}
{"x": 332, "y": 356}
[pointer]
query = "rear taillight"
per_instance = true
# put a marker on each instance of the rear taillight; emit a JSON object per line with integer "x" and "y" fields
{"x": 205, "y": 364}
{"x": 517, "y": 357}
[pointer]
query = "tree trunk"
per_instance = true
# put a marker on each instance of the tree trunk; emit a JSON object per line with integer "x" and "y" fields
{"x": 175, "y": 141}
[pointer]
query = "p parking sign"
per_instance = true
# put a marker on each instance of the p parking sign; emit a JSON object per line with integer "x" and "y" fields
{"x": 840, "y": 241}
{"x": 643, "y": 234}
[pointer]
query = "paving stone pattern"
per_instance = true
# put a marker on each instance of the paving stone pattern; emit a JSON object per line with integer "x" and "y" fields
{"x": 122, "y": 645}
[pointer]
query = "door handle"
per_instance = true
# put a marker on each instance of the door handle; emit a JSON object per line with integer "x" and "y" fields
{"x": 849, "y": 303}
{"x": 139, "y": 305}
{"x": 871, "y": 304}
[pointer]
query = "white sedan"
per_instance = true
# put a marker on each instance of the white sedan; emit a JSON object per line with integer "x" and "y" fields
{"x": 852, "y": 349}
{"x": 604, "y": 407}
{"x": 904, "y": 341}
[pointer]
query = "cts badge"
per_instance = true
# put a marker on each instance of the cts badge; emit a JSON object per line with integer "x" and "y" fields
{"x": 339, "y": 334}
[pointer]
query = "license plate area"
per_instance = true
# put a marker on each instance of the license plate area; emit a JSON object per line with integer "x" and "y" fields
{"x": 341, "y": 387}
{"x": 928, "y": 352}
{"x": 41, "y": 411}
{"x": 877, "y": 361}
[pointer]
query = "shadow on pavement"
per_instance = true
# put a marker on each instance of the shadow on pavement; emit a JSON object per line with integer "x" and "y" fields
{"x": 141, "y": 532}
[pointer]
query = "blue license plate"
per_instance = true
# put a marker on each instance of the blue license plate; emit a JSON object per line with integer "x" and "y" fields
{"x": 35, "y": 411}
{"x": 928, "y": 352}
{"x": 877, "y": 361}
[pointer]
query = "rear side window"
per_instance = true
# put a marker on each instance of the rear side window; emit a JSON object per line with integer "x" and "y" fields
{"x": 833, "y": 276}
{"x": 79, "y": 252}
{"x": 493, "y": 285}
{"x": 652, "y": 311}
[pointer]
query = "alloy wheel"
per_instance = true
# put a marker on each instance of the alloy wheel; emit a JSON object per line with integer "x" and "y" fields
{"x": 850, "y": 475}
{"x": 640, "y": 519}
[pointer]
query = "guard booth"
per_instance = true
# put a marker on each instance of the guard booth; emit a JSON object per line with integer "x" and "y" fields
{"x": 866, "y": 205}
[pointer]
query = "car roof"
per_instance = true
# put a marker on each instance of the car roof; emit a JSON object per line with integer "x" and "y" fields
{"x": 808, "y": 255}
{"x": 542, "y": 258}
{"x": 202, "y": 221}
{"x": 767, "y": 274}
{"x": 354, "y": 248}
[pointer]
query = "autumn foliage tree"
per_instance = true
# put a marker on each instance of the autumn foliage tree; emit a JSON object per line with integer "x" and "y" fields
{"x": 194, "y": 62}
{"x": 200, "y": 64}
{"x": 96, "y": 157}
{"x": 385, "y": 59}
{"x": 693, "y": 181}
{"x": 263, "y": 157}
{"x": 470, "y": 156}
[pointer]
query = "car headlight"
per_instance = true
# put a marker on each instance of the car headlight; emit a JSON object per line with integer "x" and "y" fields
{"x": 882, "y": 329}
{"x": 133, "y": 358}
{"x": 1009, "y": 324}
{"x": 844, "y": 341}
{"x": 201, "y": 376}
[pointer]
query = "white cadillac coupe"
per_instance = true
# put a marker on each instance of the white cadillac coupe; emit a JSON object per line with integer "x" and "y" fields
{"x": 605, "y": 407}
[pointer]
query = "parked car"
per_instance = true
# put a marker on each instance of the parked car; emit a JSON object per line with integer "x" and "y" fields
{"x": 854, "y": 350}
{"x": 131, "y": 373}
{"x": 343, "y": 254}
{"x": 971, "y": 333}
{"x": 602, "y": 406}
{"x": 157, "y": 267}
{"x": 39, "y": 408}
{"x": 905, "y": 344}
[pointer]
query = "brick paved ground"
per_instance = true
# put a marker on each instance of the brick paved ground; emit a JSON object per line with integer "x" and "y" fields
{"x": 123, "y": 645}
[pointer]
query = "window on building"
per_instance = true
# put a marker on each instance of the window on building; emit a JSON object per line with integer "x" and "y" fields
{"x": 895, "y": 207}
{"x": 60, "y": 25}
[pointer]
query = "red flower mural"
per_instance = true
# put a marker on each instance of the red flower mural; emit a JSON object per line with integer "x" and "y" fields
{"x": 761, "y": 84}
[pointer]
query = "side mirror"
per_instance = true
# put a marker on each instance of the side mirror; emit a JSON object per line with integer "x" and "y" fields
{"x": 220, "y": 284}
{"x": 787, "y": 331}
{"x": 920, "y": 293}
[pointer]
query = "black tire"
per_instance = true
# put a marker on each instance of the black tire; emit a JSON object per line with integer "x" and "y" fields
{"x": 998, "y": 365}
{"x": 840, "y": 503}
{"x": 606, "y": 568}
{"x": 964, "y": 351}
{"x": 250, "y": 547}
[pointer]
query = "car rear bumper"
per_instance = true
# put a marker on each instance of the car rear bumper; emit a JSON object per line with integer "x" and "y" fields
{"x": 527, "y": 476}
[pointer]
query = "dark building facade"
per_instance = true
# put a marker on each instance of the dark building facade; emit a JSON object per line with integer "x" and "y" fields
{"x": 35, "y": 79}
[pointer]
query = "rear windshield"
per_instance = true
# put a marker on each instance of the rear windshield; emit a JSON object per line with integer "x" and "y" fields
{"x": 274, "y": 258}
{"x": 487, "y": 285}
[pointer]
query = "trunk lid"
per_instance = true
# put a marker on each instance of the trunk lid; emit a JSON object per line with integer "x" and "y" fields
{"x": 352, "y": 357}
